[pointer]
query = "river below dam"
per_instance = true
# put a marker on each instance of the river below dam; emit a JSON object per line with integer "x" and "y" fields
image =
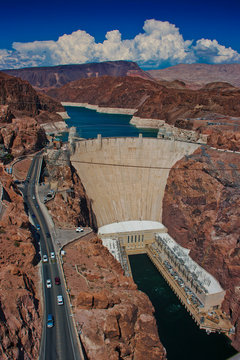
{"x": 178, "y": 332}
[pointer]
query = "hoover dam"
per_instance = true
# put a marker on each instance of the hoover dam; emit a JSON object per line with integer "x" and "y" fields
{"x": 125, "y": 178}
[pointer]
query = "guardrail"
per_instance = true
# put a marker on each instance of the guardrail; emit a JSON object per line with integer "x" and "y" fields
{"x": 1, "y": 195}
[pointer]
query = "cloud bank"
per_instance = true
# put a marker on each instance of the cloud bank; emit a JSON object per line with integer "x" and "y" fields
{"x": 160, "y": 44}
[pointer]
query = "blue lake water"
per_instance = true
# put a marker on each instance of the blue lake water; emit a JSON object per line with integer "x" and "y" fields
{"x": 179, "y": 334}
{"x": 89, "y": 123}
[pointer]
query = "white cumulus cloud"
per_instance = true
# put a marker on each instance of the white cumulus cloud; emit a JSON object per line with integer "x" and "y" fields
{"x": 160, "y": 43}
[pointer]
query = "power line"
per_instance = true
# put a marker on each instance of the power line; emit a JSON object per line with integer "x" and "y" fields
{"x": 150, "y": 167}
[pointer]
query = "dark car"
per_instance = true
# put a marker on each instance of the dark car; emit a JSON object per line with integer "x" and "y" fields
{"x": 50, "y": 322}
{"x": 57, "y": 280}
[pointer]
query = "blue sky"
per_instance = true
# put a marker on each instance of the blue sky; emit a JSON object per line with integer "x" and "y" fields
{"x": 27, "y": 21}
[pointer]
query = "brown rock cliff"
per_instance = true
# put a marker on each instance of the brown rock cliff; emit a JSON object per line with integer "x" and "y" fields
{"x": 201, "y": 212}
{"x": 22, "y": 110}
{"x": 70, "y": 207}
{"x": 116, "y": 320}
{"x": 20, "y": 322}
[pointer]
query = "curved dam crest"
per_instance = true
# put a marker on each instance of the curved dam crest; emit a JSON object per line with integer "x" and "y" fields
{"x": 126, "y": 177}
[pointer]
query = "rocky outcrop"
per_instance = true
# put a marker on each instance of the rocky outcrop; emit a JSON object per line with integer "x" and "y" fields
{"x": 20, "y": 322}
{"x": 22, "y": 99}
{"x": 201, "y": 212}
{"x": 22, "y": 110}
{"x": 116, "y": 92}
{"x": 45, "y": 78}
{"x": 197, "y": 75}
{"x": 116, "y": 320}
{"x": 22, "y": 136}
{"x": 70, "y": 207}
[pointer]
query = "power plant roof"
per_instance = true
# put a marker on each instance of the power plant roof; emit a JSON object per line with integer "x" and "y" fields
{"x": 129, "y": 226}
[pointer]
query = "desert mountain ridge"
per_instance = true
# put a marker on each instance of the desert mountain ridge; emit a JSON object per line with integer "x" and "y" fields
{"x": 197, "y": 75}
{"x": 45, "y": 78}
{"x": 194, "y": 76}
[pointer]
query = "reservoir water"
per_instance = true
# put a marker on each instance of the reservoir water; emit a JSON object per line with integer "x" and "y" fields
{"x": 89, "y": 123}
{"x": 179, "y": 334}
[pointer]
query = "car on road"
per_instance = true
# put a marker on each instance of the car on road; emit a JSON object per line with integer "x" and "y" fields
{"x": 33, "y": 215}
{"x": 45, "y": 258}
{"x": 33, "y": 197}
{"x": 48, "y": 235}
{"x": 48, "y": 283}
{"x": 38, "y": 227}
{"x": 79, "y": 229}
{"x": 57, "y": 280}
{"x": 59, "y": 300}
{"x": 50, "y": 321}
{"x": 52, "y": 254}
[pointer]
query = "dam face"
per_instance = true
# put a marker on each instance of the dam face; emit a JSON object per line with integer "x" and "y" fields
{"x": 126, "y": 177}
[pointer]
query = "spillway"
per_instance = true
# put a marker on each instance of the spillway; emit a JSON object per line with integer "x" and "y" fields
{"x": 126, "y": 177}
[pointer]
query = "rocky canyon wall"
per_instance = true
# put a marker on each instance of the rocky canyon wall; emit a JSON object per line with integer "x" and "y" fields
{"x": 201, "y": 212}
{"x": 71, "y": 206}
{"x": 116, "y": 320}
{"x": 22, "y": 110}
{"x": 20, "y": 312}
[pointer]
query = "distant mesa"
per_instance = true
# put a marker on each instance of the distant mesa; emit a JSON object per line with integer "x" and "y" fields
{"x": 45, "y": 78}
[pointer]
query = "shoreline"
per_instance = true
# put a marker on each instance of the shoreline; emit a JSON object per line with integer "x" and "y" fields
{"x": 55, "y": 127}
{"x": 140, "y": 123}
{"x": 100, "y": 109}
{"x": 144, "y": 123}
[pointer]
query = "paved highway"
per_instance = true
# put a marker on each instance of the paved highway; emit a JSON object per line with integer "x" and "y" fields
{"x": 60, "y": 341}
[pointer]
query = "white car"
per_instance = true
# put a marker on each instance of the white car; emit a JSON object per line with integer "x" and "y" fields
{"x": 52, "y": 254}
{"x": 48, "y": 283}
{"x": 45, "y": 258}
{"x": 59, "y": 300}
{"x": 79, "y": 229}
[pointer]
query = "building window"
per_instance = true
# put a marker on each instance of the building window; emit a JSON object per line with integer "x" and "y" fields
{"x": 131, "y": 238}
{"x": 138, "y": 238}
{"x": 128, "y": 239}
{"x": 142, "y": 237}
{"x": 135, "y": 238}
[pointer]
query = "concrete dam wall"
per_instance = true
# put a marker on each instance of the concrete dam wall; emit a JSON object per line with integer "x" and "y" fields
{"x": 126, "y": 177}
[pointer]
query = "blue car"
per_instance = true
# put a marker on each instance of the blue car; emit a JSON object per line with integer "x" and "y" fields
{"x": 50, "y": 321}
{"x": 38, "y": 227}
